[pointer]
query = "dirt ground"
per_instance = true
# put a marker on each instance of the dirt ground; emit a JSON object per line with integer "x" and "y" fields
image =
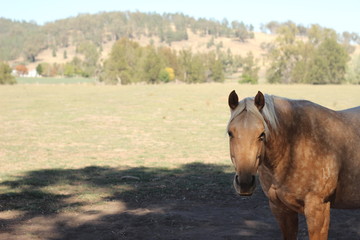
{"x": 177, "y": 205}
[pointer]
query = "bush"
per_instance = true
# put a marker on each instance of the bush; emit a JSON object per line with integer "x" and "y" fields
{"x": 164, "y": 76}
{"x": 250, "y": 72}
{"x": 5, "y": 74}
{"x": 245, "y": 78}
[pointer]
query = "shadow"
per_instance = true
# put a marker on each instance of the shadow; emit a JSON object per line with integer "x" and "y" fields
{"x": 194, "y": 201}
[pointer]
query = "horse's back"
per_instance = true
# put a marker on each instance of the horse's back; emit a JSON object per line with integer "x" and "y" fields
{"x": 348, "y": 191}
{"x": 352, "y": 112}
{"x": 352, "y": 117}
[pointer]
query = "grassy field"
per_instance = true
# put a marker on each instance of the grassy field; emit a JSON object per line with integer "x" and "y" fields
{"x": 54, "y": 80}
{"x": 66, "y": 147}
{"x": 47, "y": 127}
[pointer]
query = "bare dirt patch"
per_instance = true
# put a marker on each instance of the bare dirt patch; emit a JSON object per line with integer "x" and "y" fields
{"x": 195, "y": 201}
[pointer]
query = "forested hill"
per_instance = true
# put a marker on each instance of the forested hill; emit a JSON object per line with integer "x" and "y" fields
{"x": 28, "y": 39}
{"x": 129, "y": 47}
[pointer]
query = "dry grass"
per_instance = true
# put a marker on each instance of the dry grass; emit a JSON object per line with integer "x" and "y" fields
{"x": 162, "y": 126}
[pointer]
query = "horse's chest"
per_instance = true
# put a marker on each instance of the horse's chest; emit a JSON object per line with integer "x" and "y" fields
{"x": 289, "y": 199}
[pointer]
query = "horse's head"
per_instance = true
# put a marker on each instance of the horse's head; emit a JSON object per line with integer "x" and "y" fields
{"x": 246, "y": 131}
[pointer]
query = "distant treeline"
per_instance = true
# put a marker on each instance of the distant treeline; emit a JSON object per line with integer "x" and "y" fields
{"x": 28, "y": 39}
{"x": 129, "y": 62}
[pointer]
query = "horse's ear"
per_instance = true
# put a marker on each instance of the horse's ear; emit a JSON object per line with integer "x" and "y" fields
{"x": 259, "y": 100}
{"x": 233, "y": 100}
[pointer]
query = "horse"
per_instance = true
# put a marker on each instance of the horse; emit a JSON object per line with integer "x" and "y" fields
{"x": 306, "y": 156}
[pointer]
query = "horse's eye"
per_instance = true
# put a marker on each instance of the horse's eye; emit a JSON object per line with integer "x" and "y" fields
{"x": 262, "y": 136}
{"x": 230, "y": 134}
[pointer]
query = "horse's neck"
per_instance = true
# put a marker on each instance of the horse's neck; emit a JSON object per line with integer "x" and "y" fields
{"x": 277, "y": 155}
{"x": 278, "y": 147}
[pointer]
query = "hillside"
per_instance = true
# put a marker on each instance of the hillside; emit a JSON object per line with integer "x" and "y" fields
{"x": 82, "y": 44}
{"x": 195, "y": 42}
{"x": 28, "y": 39}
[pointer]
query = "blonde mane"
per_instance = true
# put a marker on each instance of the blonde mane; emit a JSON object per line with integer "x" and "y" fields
{"x": 267, "y": 114}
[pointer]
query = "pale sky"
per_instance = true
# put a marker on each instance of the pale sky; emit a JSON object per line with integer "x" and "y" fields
{"x": 340, "y": 15}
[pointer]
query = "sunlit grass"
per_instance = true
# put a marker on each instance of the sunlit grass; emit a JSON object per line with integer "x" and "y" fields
{"x": 57, "y": 129}
{"x": 164, "y": 125}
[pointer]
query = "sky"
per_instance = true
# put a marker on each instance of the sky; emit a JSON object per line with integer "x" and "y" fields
{"x": 339, "y": 15}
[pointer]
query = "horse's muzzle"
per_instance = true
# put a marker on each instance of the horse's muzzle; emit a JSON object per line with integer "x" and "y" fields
{"x": 245, "y": 184}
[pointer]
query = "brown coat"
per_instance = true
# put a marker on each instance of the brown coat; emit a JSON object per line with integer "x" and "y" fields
{"x": 308, "y": 161}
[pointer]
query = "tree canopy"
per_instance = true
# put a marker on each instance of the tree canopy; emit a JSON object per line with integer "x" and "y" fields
{"x": 130, "y": 63}
{"x": 320, "y": 58}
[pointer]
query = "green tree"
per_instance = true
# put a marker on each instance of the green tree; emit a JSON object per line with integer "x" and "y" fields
{"x": 91, "y": 57}
{"x": 319, "y": 59}
{"x": 5, "y": 74}
{"x": 164, "y": 76}
{"x": 39, "y": 69}
{"x": 241, "y": 31}
{"x": 353, "y": 73}
{"x": 217, "y": 72}
{"x": 284, "y": 56}
{"x": 197, "y": 70}
{"x": 170, "y": 59}
{"x": 329, "y": 63}
{"x": 69, "y": 70}
{"x": 185, "y": 61}
{"x": 152, "y": 66}
{"x": 124, "y": 63}
{"x": 250, "y": 73}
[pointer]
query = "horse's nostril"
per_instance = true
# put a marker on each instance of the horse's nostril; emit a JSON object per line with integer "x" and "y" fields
{"x": 237, "y": 180}
{"x": 253, "y": 178}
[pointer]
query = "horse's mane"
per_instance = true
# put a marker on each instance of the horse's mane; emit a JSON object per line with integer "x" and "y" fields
{"x": 267, "y": 114}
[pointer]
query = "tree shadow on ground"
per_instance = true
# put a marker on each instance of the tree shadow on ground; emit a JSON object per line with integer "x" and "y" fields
{"x": 194, "y": 201}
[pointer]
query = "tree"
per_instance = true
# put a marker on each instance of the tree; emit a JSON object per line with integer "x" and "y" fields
{"x": 69, "y": 70}
{"x": 185, "y": 60}
{"x": 170, "y": 59}
{"x": 197, "y": 70}
{"x": 152, "y": 66}
{"x": 273, "y": 26}
{"x": 5, "y": 74}
{"x": 250, "y": 73}
{"x": 91, "y": 54}
{"x": 124, "y": 63}
{"x": 329, "y": 63}
{"x": 217, "y": 72}
{"x": 241, "y": 31}
{"x": 353, "y": 73}
{"x": 39, "y": 69}
{"x": 166, "y": 75}
{"x": 284, "y": 56}
{"x": 319, "y": 59}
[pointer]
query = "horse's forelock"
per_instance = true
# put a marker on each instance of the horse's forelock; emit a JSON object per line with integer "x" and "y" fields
{"x": 267, "y": 114}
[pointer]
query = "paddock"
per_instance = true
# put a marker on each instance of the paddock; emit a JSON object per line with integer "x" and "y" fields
{"x": 136, "y": 162}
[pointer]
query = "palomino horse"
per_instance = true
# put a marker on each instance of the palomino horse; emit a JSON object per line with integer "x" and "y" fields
{"x": 307, "y": 158}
